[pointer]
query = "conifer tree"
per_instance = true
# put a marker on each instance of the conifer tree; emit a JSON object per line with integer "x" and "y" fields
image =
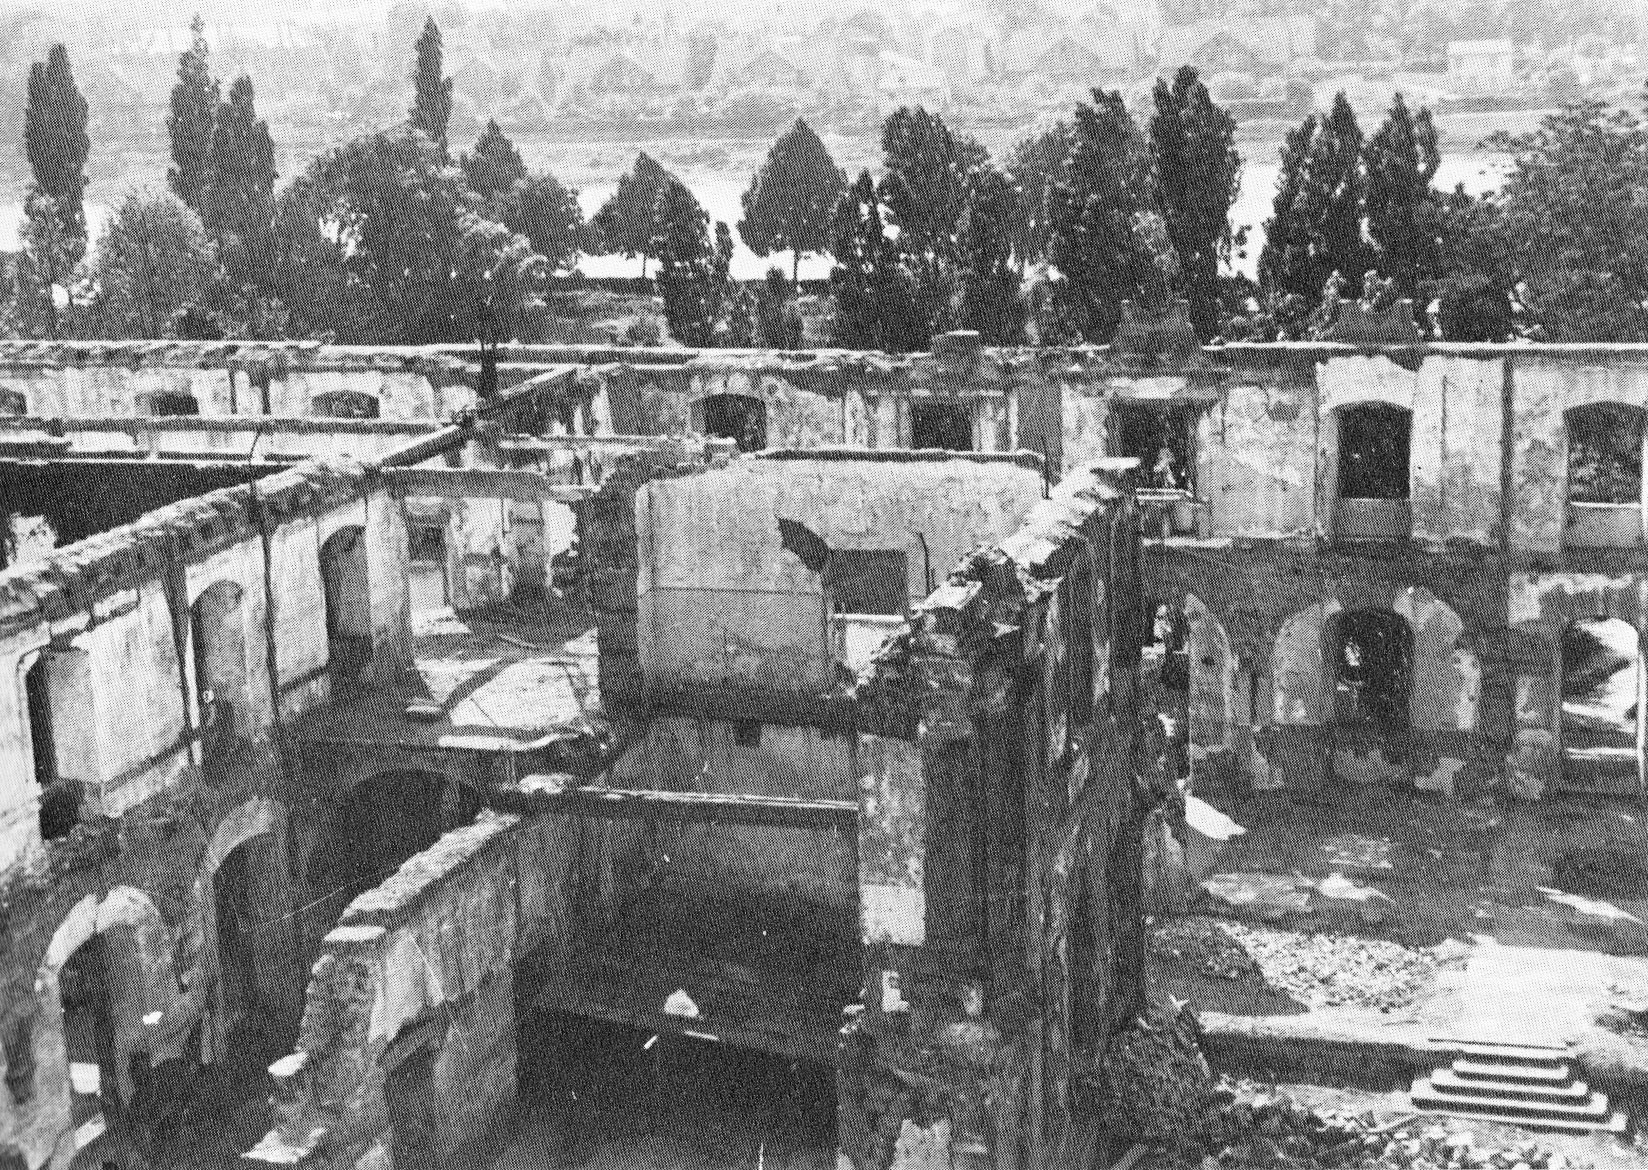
{"x": 990, "y": 284}
{"x": 1193, "y": 144}
{"x": 55, "y": 139}
{"x": 1107, "y": 184}
{"x": 495, "y": 165}
{"x": 626, "y": 222}
{"x": 792, "y": 198}
{"x": 431, "y": 92}
{"x": 1315, "y": 228}
{"x": 237, "y": 202}
{"x": 194, "y": 106}
{"x": 1405, "y": 214}
{"x": 875, "y": 296}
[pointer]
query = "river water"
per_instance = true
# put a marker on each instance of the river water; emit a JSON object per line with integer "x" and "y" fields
{"x": 719, "y": 193}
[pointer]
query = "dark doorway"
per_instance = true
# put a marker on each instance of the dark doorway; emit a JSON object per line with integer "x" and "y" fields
{"x": 1161, "y": 439}
{"x": 738, "y": 417}
{"x": 217, "y": 626}
{"x": 348, "y": 602}
{"x": 1374, "y": 441}
{"x": 88, "y": 1031}
{"x": 236, "y": 915}
{"x": 35, "y": 686}
{"x": 1373, "y": 669}
{"x": 941, "y": 426}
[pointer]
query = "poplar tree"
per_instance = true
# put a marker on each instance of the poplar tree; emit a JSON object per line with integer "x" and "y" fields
{"x": 431, "y": 92}
{"x": 1405, "y": 215}
{"x": 1199, "y": 172}
{"x": 1315, "y": 228}
{"x": 194, "y": 106}
{"x": 55, "y": 139}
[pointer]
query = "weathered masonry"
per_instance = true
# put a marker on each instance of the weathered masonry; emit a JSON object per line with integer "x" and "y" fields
{"x": 805, "y": 685}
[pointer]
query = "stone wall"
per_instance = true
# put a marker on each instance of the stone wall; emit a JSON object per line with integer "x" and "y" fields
{"x": 408, "y": 1035}
{"x": 999, "y": 845}
{"x": 161, "y": 795}
{"x": 727, "y": 600}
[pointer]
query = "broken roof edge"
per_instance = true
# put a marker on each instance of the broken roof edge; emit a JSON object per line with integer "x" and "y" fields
{"x": 73, "y": 578}
{"x": 1017, "y": 572}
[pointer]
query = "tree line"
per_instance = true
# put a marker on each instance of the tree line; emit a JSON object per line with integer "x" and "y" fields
{"x": 390, "y": 239}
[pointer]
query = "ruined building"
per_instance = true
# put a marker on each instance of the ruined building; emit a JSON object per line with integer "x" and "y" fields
{"x": 797, "y": 702}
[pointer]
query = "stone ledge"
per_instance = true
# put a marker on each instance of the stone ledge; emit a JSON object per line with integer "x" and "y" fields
{"x": 391, "y": 902}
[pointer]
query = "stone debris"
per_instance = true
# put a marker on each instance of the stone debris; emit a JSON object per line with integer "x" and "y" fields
{"x": 1155, "y": 1082}
{"x": 1351, "y": 853}
{"x": 1319, "y": 970}
{"x": 1272, "y": 1130}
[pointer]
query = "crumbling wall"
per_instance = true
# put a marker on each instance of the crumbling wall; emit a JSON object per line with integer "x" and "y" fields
{"x": 1001, "y": 814}
{"x": 725, "y": 600}
{"x": 118, "y": 379}
{"x": 421, "y": 969}
{"x": 776, "y": 865}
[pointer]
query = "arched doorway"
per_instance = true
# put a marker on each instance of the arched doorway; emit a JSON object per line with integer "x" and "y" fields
{"x": 217, "y": 628}
{"x": 348, "y": 601}
{"x": 1372, "y": 653}
{"x": 739, "y": 417}
{"x": 246, "y": 890}
{"x": 84, "y": 991}
{"x": 1375, "y": 439}
{"x": 1602, "y": 705}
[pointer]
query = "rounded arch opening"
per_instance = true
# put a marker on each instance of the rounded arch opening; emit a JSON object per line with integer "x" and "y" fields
{"x": 348, "y": 600}
{"x": 1602, "y": 700}
{"x": 217, "y": 627}
{"x": 1371, "y": 652}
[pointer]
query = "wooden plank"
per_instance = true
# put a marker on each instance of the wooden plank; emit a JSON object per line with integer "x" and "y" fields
{"x": 539, "y": 794}
{"x": 486, "y": 484}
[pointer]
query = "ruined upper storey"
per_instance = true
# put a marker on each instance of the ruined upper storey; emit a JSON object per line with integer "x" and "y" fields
{"x": 1531, "y": 449}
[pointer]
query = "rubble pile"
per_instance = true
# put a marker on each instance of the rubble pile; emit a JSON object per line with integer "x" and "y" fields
{"x": 1272, "y": 1130}
{"x": 1155, "y": 1082}
{"x": 1318, "y": 970}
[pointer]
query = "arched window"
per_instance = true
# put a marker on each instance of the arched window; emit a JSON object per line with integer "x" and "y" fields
{"x": 344, "y": 404}
{"x": 1604, "y": 476}
{"x": 1605, "y": 453}
{"x": 165, "y": 403}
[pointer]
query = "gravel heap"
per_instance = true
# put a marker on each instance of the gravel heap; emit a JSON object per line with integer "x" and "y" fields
{"x": 1271, "y": 1130}
{"x": 1319, "y": 970}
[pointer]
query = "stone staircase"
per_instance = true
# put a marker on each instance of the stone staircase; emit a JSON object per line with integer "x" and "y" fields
{"x": 1531, "y": 1085}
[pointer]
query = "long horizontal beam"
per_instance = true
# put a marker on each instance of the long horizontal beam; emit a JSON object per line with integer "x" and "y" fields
{"x": 485, "y": 484}
{"x": 540, "y": 794}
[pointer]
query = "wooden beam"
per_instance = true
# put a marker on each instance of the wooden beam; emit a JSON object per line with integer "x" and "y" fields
{"x": 541, "y": 794}
{"x": 585, "y": 442}
{"x": 485, "y": 483}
